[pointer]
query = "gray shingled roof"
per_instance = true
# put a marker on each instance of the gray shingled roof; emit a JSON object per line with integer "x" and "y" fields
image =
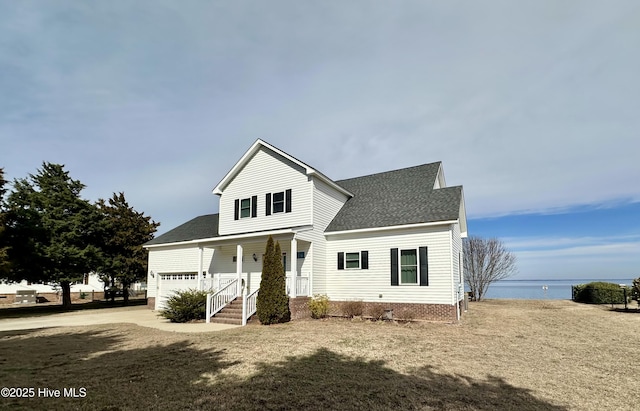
{"x": 386, "y": 199}
{"x": 204, "y": 226}
{"x": 397, "y": 197}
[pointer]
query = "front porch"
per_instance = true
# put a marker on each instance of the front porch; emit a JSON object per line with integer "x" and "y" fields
{"x": 234, "y": 272}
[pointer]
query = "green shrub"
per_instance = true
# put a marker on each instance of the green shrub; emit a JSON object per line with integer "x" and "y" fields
{"x": 599, "y": 293}
{"x": 635, "y": 290}
{"x": 272, "y": 303}
{"x": 319, "y": 306}
{"x": 184, "y": 306}
{"x": 352, "y": 309}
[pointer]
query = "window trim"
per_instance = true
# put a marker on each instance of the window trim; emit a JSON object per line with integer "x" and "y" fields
{"x": 243, "y": 208}
{"x": 363, "y": 260}
{"x": 281, "y": 202}
{"x": 346, "y": 260}
{"x": 417, "y": 266}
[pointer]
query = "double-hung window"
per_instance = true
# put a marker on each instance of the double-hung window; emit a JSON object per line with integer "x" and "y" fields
{"x": 353, "y": 260}
{"x": 279, "y": 202}
{"x": 408, "y": 267}
{"x": 245, "y": 208}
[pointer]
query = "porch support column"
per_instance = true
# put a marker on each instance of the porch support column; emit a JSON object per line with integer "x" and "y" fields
{"x": 200, "y": 263}
{"x": 239, "y": 268}
{"x": 294, "y": 266}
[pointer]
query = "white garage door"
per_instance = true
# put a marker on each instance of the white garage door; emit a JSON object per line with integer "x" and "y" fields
{"x": 169, "y": 283}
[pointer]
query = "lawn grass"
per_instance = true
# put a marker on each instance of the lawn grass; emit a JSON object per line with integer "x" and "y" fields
{"x": 506, "y": 355}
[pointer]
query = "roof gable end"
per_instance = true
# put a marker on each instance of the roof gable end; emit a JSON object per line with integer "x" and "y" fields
{"x": 260, "y": 144}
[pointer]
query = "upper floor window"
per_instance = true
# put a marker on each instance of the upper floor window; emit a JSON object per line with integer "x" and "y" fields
{"x": 246, "y": 207}
{"x": 279, "y": 202}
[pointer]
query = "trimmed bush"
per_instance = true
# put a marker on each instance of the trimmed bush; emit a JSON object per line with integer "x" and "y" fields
{"x": 599, "y": 293}
{"x": 185, "y": 306}
{"x": 352, "y": 309}
{"x": 319, "y": 306}
{"x": 272, "y": 304}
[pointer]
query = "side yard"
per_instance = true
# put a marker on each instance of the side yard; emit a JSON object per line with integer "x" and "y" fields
{"x": 520, "y": 355}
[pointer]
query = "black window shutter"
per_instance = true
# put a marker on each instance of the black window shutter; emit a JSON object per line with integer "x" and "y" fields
{"x": 340, "y": 261}
{"x": 254, "y": 206}
{"x": 287, "y": 201}
{"x": 364, "y": 257}
{"x": 394, "y": 266}
{"x": 268, "y": 201}
{"x": 236, "y": 213}
{"x": 424, "y": 266}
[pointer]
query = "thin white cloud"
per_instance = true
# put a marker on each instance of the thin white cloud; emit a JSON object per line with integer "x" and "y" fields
{"x": 532, "y": 107}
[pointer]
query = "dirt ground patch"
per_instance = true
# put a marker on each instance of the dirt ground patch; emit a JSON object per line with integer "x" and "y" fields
{"x": 506, "y": 355}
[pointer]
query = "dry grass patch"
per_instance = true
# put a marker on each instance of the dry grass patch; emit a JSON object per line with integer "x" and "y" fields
{"x": 519, "y": 355}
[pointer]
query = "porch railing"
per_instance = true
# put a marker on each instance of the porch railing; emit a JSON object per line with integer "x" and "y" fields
{"x": 302, "y": 286}
{"x": 248, "y": 304}
{"x": 216, "y": 283}
{"x": 222, "y": 297}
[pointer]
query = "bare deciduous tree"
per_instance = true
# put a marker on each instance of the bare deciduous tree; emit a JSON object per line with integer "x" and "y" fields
{"x": 486, "y": 261}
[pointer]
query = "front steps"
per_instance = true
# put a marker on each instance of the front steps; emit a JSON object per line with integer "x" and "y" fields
{"x": 231, "y": 314}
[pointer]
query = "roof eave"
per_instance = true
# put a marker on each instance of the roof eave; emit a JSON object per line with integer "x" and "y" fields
{"x": 388, "y": 228}
{"x": 242, "y": 236}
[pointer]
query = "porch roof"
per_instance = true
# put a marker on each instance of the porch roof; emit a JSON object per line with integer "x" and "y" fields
{"x": 204, "y": 229}
{"x": 204, "y": 226}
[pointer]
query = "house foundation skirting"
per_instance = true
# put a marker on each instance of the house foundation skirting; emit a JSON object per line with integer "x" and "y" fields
{"x": 299, "y": 308}
{"x": 401, "y": 311}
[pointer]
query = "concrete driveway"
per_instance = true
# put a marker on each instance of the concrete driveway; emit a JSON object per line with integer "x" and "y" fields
{"x": 139, "y": 315}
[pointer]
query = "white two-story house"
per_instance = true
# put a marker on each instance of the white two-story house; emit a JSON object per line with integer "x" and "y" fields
{"x": 390, "y": 239}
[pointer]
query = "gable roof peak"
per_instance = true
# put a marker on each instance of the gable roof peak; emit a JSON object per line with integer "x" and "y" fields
{"x": 261, "y": 144}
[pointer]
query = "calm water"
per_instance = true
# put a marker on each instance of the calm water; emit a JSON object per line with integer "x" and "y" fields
{"x": 533, "y": 289}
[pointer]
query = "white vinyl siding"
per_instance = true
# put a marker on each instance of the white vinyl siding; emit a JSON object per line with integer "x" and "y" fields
{"x": 326, "y": 204}
{"x": 174, "y": 260}
{"x": 266, "y": 172}
{"x": 374, "y": 284}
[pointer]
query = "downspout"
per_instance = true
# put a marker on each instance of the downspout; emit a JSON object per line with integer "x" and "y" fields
{"x": 455, "y": 293}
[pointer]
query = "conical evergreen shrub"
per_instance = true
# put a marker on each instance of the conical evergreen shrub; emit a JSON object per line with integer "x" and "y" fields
{"x": 272, "y": 305}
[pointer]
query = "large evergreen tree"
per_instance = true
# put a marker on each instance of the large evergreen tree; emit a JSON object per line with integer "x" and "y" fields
{"x": 124, "y": 230}
{"x": 272, "y": 305}
{"x": 53, "y": 232}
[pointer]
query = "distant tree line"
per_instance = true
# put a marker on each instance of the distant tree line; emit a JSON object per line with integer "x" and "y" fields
{"x": 49, "y": 233}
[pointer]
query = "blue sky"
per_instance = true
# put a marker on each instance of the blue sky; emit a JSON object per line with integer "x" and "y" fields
{"x": 531, "y": 106}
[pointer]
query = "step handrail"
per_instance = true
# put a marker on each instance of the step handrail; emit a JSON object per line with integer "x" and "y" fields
{"x": 248, "y": 305}
{"x": 218, "y": 300}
